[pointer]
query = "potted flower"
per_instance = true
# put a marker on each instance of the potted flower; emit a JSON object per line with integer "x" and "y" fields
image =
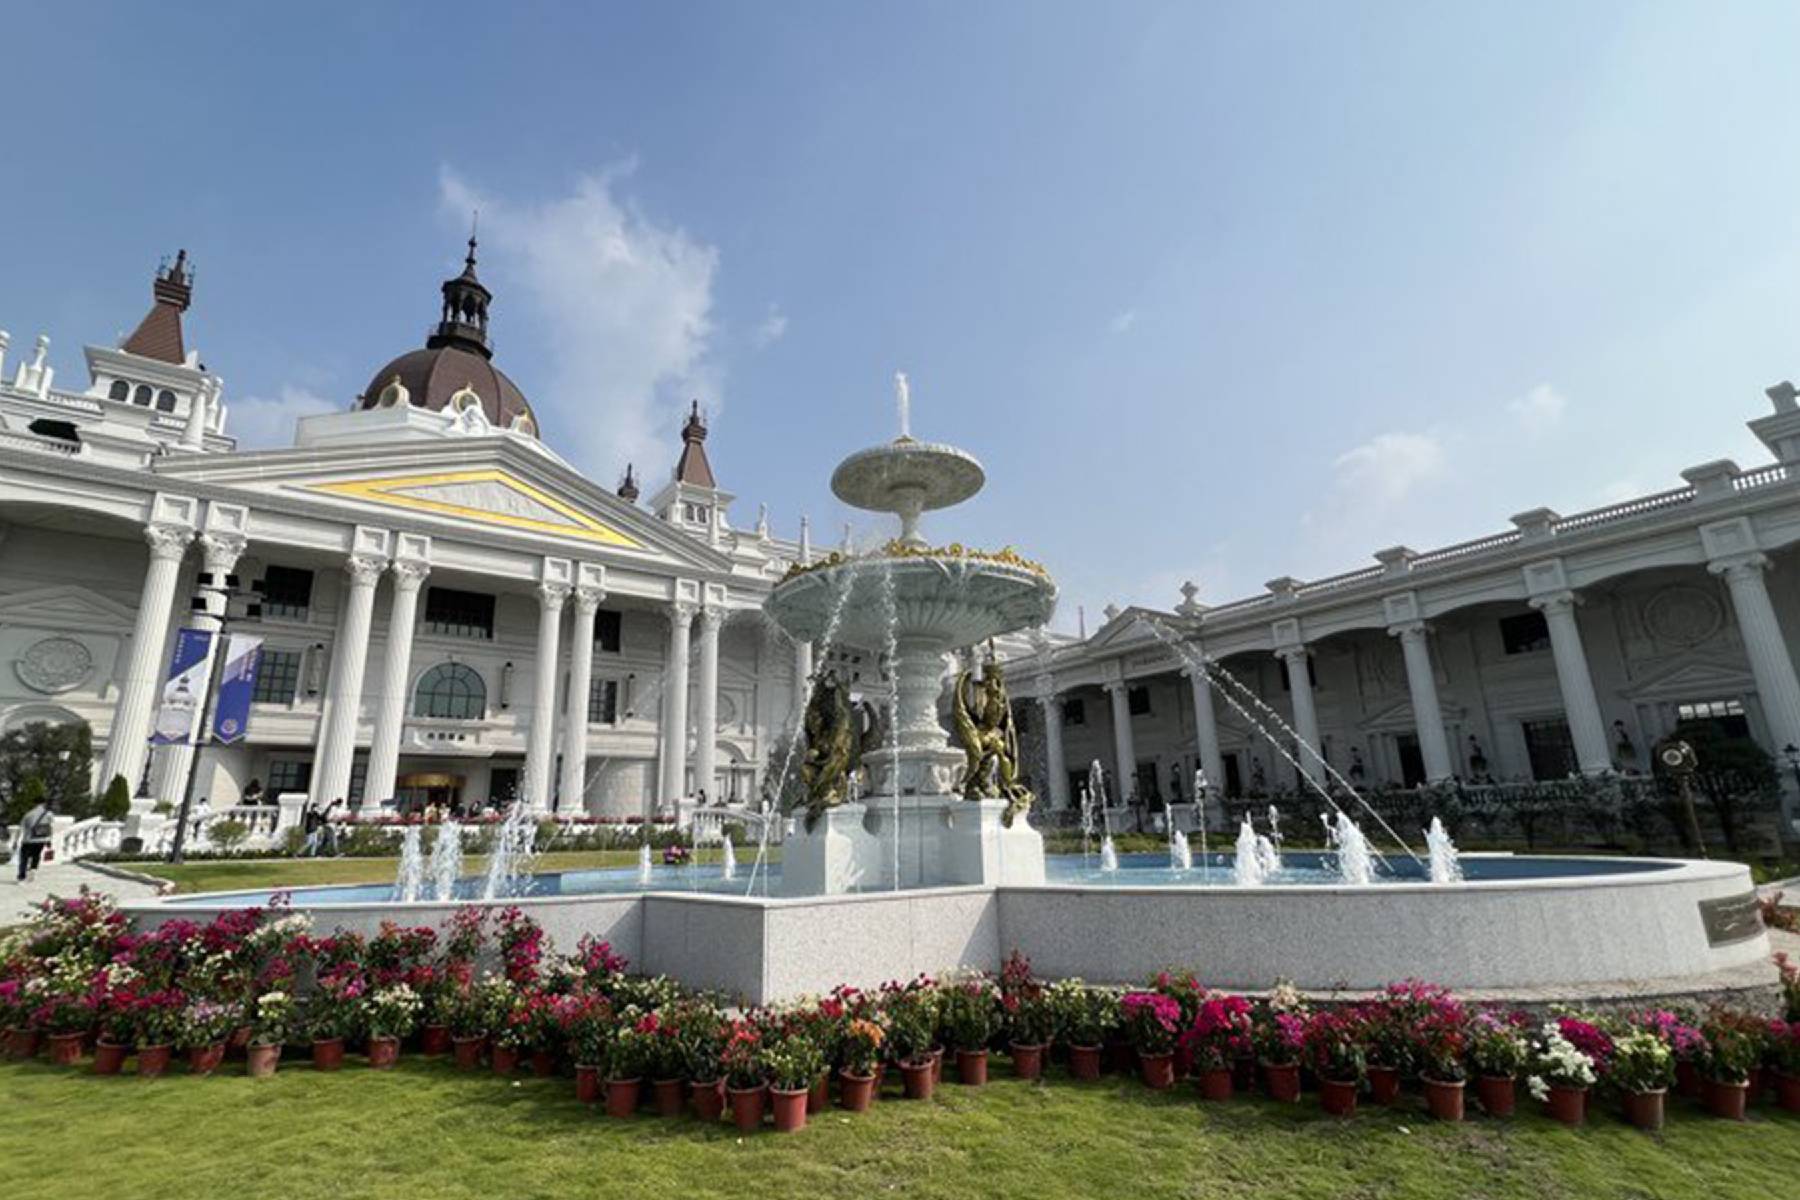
{"x": 1440, "y": 1042}
{"x": 17, "y": 1000}
{"x": 745, "y": 1082}
{"x": 1734, "y": 1048}
{"x": 971, "y": 1017}
{"x": 389, "y": 1015}
{"x": 1029, "y": 1016}
{"x": 437, "y": 989}
{"x": 271, "y": 1019}
{"x": 703, "y": 1033}
{"x": 666, "y": 1064}
{"x": 1087, "y": 1017}
{"x": 1220, "y": 1035}
{"x": 1784, "y": 1059}
{"x": 1334, "y": 1047}
{"x": 65, "y": 1014}
{"x": 628, "y": 1057}
{"x": 1280, "y": 1037}
{"x": 1685, "y": 1042}
{"x": 1498, "y": 1053}
{"x": 1153, "y": 1022}
{"x": 1642, "y": 1067}
{"x": 512, "y": 1025}
{"x": 791, "y": 1062}
{"x": 118, "y": 1017}
{"x": 205, "y": 1024}
{"x": 912, "y": 1018}
{"x": 587, "y": 1029}
{"x": 1185, "y": 989}
{"x": 159, "y": 1019}
{"x": 334, "y": 1013}
{"x": 1561, "y": 1075}
{"x": 860, "y": 1054}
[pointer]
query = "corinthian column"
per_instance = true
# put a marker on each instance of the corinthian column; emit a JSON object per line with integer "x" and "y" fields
{"x": 706, "y": 708}
{"x": 339, "y": 714}
{"x": 675, "y": 703}
{"x": 542, "y": 741}
{"x": 1770, "y": 664}
{"x": 1055, "y": 764}
{"x": 1124, "y": 747}
{"x": 219, "y": 554}
{"x": 575, "y": 719}
{"x": 128, "y": 739}
{"x": 1593, "y": 754}
{"x": 1206, "y": 731}
{"x": 396, "y": 672}
{"x": 1306, "y": 714}
{"x": 1428, "y": 715}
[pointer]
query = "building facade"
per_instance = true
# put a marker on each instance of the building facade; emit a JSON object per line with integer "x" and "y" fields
{"x": 451, "y": 613}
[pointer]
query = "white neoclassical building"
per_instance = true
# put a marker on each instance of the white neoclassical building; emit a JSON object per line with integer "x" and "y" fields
{"x": 451, "y": 613}
{"x": 1563, "y": 645}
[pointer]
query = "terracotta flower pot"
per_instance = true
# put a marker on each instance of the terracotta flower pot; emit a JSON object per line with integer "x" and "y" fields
{"x": 466, "y": 1051}
{"x": 856, "y": 1092}
{"x": 204, "y": 1060}
{"x": 152, "y": 1061}
{"x": 1337, "y": 1097}
{"x": 434, "y": 1040}
{"x": 818, "y": 1096}
{"x": 1084, "y": 1062}
{"x": 1215, "y": 1083}
{"x": 1688, "y": 1080}
{"x": 1157, "y": 1071}
{"x": 971, "y": 1068}
{"x": 669, "y": 1097}
{"x": 543, "y": 1064}
{"x": 1028, "y": 1061}
{"x": 917, "y": 1080}
{"x": 790, "y": 1109}
{"x": 65, "y": 1048}
{"x": 1121, "y": 1059}
{"x": 587, "y": 1083}
{"x": 261, "y": 1061}
{"x": 109, "y": 1057}
{"x": 1444, "y": 1099}
{"x": 937, "y": 1066}
{"x": 1499, "y": 1095}
{"x": 1282, "y": 1081}
{"x": 1384, "y": 1085}
{"x": 238, "y": 1042}
{"x": 1728, "y": 1100}
{"x": 1567, "y": 1104}
{"x": 504, "y": 1059}
{"x": 747, "y": 1107}
{"x": 384, "y": 1052}
{"x": 709, "y": 1099}
{"x": 1243, "y": 1073}
{"x": 1787, "y": 1091}
{"x": 1184, "y": 1061}
{"x": 328, "y": 1054}
{"x": 1645, "y": 1109}
{"x": 622, "y": 1096}
{"x": 21, "y": 1043}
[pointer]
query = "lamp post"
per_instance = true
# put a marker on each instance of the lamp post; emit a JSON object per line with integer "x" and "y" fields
{"x": 1679, "y": 759}
{"x": 1791, "y": 752}
{"x": 226, "y": 591}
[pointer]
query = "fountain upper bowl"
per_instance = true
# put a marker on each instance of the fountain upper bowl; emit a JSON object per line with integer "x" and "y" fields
{"x": 951, "y": 599}
{"x": 906, "y": 473}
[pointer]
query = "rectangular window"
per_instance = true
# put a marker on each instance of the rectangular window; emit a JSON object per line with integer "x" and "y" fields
{"x": 1550, "y": 748}
{"x": 359, "y": 777}
{"x": 1727, "y": 716}
{"x": 1524, "y": 633}
{"x": 288, "y": 775}
{"x": 277, "y": 677}
{"x": 603, "y": 702}
{"x": 287, "y": 592}
{"x": 608, "y": 627}
{"x": 1137, "y": 701}
{"x": 455, "y": 613}
{"x": 1074, "y": 712}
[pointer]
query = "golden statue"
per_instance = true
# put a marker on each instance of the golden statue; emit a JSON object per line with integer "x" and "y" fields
{"x": 989, "y": 739}
{"x": 831, "y": 748}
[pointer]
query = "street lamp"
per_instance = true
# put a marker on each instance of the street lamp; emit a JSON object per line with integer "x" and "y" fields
{"x": 206, "y": 591}
{"x": 1791, "y": 752}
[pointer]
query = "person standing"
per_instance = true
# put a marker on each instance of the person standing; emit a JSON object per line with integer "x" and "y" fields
{"x": 34, "y": 838}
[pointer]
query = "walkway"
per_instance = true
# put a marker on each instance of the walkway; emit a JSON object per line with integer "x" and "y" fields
{"x": 60, "y": 879}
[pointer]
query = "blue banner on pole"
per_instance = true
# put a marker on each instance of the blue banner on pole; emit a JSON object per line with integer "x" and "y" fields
{"x": 178, "y": 719}
{"x": 243, "y": 655}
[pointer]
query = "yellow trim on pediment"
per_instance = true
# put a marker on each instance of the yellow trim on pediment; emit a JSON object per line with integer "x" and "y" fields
{"x": 393, "y": 490}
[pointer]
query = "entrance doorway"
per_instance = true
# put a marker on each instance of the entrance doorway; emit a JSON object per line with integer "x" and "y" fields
{"x": 1412, "y": 760}
{"x": 427, "y": 789}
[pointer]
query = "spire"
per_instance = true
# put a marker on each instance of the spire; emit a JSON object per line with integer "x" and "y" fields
{"x": 158, "y": 335}
{"x": 463, "y": 322}
{"x": 628, "y": 488}
{"x": 692, "y": 467}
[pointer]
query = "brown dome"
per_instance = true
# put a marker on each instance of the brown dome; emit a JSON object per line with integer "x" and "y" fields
{"x": 432, "y": 376}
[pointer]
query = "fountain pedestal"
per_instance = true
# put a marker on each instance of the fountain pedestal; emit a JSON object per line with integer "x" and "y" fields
{"x": 943, "y": 841}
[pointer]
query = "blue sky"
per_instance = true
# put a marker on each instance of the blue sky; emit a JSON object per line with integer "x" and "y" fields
{"x": 1227, "y": 292}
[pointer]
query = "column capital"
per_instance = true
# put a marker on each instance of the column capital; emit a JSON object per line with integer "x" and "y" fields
{"x": 1292, "y": 654}
{"x": 221, "y": 551}
{"x": 168, "y": 541}
{"x": 587, "y": 599}
{"x": 1049, "y": 697}
{"x": 1552, "y": 603}
{"x": 409, "y": 573}
{"x": 710, "y": 620}
{"x": 682, "y": 611}
{"x": 1409, "y": 631}
{"x": 364, "y": 570}
{"x": 552, "y": 593}
{"x": 1749, "y": 564}
{"x": 1115, "y": 687}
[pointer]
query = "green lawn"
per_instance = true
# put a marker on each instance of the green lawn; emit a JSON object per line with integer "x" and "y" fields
{"x": 256, "y": 873}
{"x": 426, "y": 1130}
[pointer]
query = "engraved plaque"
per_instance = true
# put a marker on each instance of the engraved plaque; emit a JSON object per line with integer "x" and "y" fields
{"x": 1731, "y": 919}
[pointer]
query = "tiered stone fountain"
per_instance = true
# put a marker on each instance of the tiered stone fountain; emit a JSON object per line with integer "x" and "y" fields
{"x": 911, "y": 828}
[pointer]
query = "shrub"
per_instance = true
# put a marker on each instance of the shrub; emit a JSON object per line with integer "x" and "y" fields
{"x": 272, "y": 1019}
{"x": 860, "y": 1050}
{"x": 1642, "y": 1062}
{"x": 1221, "y": 1032}
{"x": 912, "y": 1016}
{"x": 207, "y": 1023}
{"x": 1498, "y": 1047}
{"x": 391, "y": 1012}
{"x": 1556, "y": 1062}
{"x": 227, "y": 835}
{"x": 793, "y": 1062}
{"x": 1734, "y": 1045}
{"x": 115, "y": 804}
{"x": 1152, "y": 1021}
{"x": 1334, "y": 1046}
{"x": 1087, "y": 1016}
{"x": 1025, "y": 1004}
{"x": 971, "y": 1012}
{"x": 742, "y": 1057}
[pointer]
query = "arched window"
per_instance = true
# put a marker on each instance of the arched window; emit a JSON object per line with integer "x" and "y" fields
{"x": 451, "y": 691}
{"x": 120, "y": 390}
{"x": 141, "y": 397}
{"x": 165, "y": 401}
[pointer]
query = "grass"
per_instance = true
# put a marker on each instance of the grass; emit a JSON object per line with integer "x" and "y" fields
{"x": 426, "y": 1130}
{"x": 223, "y": 875}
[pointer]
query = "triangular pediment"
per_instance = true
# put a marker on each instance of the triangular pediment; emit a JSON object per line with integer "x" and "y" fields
{"x": 488, "y": 495}
{"x": 1691, "y": 679}
{"x": 63, "y": 607}
{"x": 1398, "y": 717}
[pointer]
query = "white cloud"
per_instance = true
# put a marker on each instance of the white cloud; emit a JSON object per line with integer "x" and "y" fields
{"x": 1539, "y": 410}
{"x": 771, "y": 329}
{"x": 1122, "y": 322}
{"x": 262, "y": 422}
{"x": 1389, "y": 466}
{"x": 623, "y": 304}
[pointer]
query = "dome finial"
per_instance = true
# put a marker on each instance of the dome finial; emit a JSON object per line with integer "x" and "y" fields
{"x": 474, "y": 228}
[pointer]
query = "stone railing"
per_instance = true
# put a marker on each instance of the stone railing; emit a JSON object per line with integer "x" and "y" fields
{"x": 707, "y": 825}
{"x": 44, "y": 445}
{"x": 89, "y": 836}
{"x": 1629, "y": 508}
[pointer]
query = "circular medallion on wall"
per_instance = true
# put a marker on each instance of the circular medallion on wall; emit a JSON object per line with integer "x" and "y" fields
{"x": 1683, "y": 615}
{"x": 55, "y": 664}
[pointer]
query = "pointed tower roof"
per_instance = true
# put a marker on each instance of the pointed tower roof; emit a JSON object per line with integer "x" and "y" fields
{"x": 692, "y": 467}
{"x": 158, "y": 335}
{"x": 628, "y": 488}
